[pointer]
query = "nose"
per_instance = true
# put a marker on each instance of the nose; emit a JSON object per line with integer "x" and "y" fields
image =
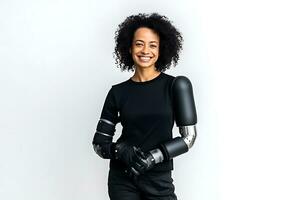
{"x": 145, "y": 49}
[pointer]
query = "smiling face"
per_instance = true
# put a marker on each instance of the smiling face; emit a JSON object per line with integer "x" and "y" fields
{"x": 145, "y": 48}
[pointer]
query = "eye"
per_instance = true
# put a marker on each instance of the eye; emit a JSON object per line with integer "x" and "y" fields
{"x": 138, "y": 44}
{"x": 153, "y": 46}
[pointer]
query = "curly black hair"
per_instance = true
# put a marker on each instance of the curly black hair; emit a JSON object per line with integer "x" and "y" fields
{"x": 170, "y": 40}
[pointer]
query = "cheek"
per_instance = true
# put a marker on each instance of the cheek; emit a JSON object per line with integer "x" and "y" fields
{"x": 134, "y": 51}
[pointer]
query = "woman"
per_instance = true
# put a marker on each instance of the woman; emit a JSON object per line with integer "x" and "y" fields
{"x": 146, "y": 105}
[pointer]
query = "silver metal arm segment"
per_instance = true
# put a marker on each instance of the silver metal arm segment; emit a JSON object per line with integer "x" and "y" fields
{"x": 107, "y": 121}
{"x": 157, "y": 155}
{"x": 189, "y": 134}
{"x": 177, "y": 145}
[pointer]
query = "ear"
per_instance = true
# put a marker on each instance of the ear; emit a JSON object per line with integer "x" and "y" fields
{"x": 130, "y": 50}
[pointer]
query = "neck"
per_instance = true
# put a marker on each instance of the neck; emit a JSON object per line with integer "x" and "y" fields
{"x": 141, "y": 75}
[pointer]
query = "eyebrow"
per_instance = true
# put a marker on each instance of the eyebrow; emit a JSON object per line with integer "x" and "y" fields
{"x": 143, "y": 41}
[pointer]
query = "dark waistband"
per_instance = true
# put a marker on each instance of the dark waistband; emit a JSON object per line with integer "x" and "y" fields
{"x": 164, "y": 166}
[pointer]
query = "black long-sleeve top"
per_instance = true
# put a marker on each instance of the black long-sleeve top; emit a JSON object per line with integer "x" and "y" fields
{"x": 145, "y": 112}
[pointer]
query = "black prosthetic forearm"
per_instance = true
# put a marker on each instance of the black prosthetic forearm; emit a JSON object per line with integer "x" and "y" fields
{"x": 102, "y": 141}
{"x": 173, "y": 148}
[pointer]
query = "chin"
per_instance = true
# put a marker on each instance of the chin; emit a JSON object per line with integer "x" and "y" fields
{"x": 144, "y": 65}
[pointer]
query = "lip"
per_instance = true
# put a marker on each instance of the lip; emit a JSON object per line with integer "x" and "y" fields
{"x": 145, "y": 56}
{"x": 145, "y": 59}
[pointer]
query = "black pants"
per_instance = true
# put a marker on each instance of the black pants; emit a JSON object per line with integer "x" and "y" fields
{"x": 149, "y": 186}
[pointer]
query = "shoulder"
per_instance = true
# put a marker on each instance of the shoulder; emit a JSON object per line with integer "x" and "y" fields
{"x": 168, "y": 78}
{"x": 181, "y": 82}
{"x": 119, "y": 85}
{"x": 119, "y": 88}
{"x": 181, "y": 79}
{"x": 178, "y": 79}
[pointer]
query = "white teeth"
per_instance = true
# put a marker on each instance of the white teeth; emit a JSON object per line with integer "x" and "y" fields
{"x": 143, "y": 58}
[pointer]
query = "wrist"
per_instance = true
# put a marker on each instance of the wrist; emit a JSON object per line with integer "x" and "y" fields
{"x": 157, "y": 156}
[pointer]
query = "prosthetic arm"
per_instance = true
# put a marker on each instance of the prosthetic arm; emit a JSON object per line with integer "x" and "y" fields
{"x": 106, "y": 127}
{"x": 105, "y": 148}
{"x": 185, "y": 118}
{"x": 102, "y": 142}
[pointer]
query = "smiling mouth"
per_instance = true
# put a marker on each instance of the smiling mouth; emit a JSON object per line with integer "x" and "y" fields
{"x": 144, "y": 58}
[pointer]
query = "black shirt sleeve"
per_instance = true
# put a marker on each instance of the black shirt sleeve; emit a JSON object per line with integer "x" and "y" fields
{"x": 110, "y": 110}
{"x": 102, "y": 141}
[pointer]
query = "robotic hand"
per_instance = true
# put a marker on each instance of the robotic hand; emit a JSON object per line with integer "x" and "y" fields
{"x": 124, "y": 152}
{"x": 137, "y": 161}
{"x": 143, "y": 162}
{"x": 132, "y": 156}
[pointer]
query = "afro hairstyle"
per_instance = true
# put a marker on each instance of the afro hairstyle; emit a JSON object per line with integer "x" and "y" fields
{"x": 170, "y": 40}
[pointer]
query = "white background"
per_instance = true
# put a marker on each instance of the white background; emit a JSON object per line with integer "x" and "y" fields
{"x": 56, "y": 67}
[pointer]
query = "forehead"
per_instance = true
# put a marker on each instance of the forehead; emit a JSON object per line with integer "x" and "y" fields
{"x": 145, "y": 34}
